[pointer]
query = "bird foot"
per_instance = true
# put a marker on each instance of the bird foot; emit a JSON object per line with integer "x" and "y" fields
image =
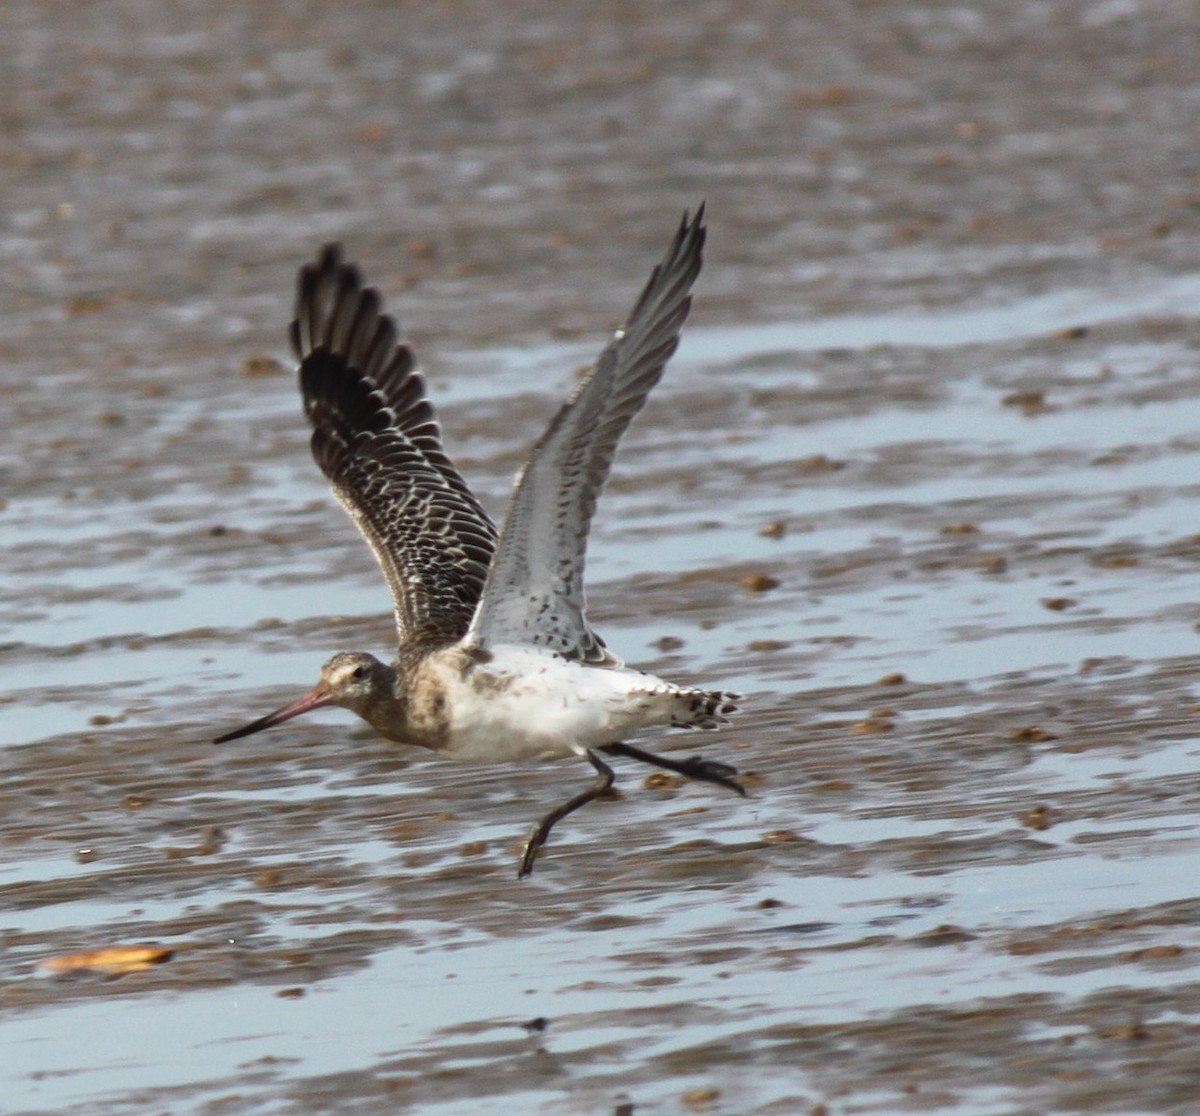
{"x": 711, "y": 771}
{"x": 533, "y": 844}
{"x": 699, "y": 768}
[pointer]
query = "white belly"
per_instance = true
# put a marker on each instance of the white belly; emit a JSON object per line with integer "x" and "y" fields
{"x": 525, "y": 703}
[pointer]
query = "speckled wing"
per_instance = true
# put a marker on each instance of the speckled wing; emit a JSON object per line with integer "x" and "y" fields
{"x": 377, "y": 440}
{"x": 534, "y": 592}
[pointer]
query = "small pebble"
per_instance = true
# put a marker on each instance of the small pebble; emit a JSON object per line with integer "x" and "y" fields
{"x": 1058, "y": 604}
{"x": 1038, "y": 817}
{"x": 1031, "y": 734}
{"x": 701, "y": 1099}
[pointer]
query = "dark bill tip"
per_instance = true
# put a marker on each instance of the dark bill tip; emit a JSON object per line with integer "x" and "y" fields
{"x": 314, "y": 699}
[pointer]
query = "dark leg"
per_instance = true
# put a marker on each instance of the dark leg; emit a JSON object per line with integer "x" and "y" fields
{"x": 706, "y": 771}
{"x": 539, "y": 833}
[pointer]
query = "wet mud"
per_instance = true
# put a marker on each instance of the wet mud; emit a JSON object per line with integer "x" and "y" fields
{"x": 922, "y": 483}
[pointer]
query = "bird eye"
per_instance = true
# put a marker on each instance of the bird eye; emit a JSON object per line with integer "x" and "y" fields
{"x": 359, "y": 673}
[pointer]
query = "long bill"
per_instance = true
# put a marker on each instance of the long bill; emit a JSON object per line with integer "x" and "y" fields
{"x": 317, "y": 697}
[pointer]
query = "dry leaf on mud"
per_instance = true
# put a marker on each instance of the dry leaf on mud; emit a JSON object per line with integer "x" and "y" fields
{"x": 113, "y": 960}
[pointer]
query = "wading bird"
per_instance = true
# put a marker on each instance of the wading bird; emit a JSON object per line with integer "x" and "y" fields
{"x": 496, "y": 658}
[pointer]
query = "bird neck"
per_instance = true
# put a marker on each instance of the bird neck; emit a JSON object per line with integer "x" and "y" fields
{"x": 387, "y": 709}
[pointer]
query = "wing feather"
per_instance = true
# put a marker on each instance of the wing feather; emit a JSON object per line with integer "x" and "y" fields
{"x": 534, "y": 592}
{"x": 377, "y": 440}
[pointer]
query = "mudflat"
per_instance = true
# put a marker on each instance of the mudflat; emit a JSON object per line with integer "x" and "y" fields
{"x": 922, "y": 482}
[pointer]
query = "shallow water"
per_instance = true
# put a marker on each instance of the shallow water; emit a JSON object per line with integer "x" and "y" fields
{"x": 946, "y": 408}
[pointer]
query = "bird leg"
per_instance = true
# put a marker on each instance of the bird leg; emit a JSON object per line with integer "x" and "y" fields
{"x": 539, "y": 833}
{"x": 706, "y": 771}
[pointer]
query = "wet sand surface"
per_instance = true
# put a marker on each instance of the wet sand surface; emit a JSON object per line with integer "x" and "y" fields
{"x": 922, "y": 482}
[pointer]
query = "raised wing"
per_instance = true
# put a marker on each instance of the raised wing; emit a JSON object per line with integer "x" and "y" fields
{"x": 534, "y": 592}
{"x": 377, "y": 440}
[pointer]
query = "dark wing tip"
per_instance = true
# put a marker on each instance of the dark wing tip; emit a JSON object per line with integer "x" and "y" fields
{"x": 694, "y": 225}
{"x": 341, "y": 406}
{"x": 672, "y": 278}
{"x": 335, "y": 310}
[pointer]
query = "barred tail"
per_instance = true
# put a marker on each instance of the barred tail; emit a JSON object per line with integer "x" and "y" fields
{"x": 703, "y": 709}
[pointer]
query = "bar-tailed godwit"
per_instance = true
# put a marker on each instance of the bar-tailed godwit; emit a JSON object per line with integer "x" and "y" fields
{"x": 496, "y": 658}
